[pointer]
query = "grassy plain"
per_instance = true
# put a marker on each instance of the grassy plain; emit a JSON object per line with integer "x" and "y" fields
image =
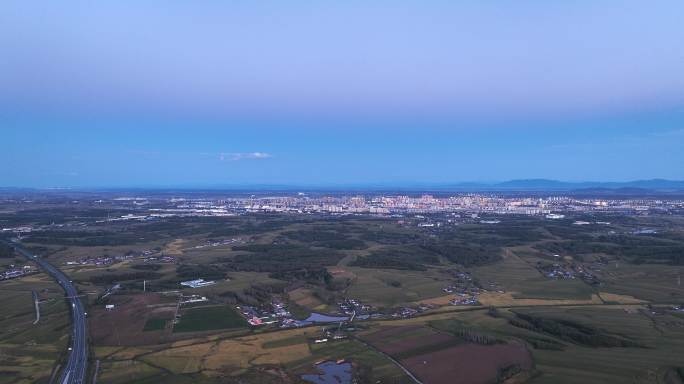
{"x": 374, "y": 286}
{"x": 312, "y": 262}
{"x": 29, "y": 352}
{"x": 209, "y": 319}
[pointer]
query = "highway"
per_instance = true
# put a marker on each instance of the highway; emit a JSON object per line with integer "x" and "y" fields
{"x": 74, "y": 371}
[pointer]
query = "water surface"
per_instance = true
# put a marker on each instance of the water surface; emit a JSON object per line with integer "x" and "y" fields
{"x": 331, "y": 373}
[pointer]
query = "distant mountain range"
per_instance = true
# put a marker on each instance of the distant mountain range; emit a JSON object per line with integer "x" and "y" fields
{"x": 636, "y": 186}
{"x": 532, "y": 185}
{"x": 545, "y": 184}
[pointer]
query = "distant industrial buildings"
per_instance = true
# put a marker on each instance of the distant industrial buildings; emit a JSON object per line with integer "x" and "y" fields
{"x": 197, "y": 283}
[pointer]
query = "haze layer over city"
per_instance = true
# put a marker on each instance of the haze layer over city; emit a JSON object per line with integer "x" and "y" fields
{"x": 342, "y": 192}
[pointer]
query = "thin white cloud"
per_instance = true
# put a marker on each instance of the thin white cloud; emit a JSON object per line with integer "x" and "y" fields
{"x": 235, "y": 156}
{"x": 65, "y": 173}
{"x": 222, "y": 156}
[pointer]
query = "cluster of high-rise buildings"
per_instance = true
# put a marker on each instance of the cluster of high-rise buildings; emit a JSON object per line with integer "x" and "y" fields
{"x": 402, "y": 204}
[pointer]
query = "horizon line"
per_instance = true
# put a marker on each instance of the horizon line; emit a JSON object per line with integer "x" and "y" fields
{"x": 501, "y": 184}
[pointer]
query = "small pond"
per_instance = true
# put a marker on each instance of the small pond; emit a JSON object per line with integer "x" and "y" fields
{"x": 319, "y": 318}
{"x": 331, "y": 373}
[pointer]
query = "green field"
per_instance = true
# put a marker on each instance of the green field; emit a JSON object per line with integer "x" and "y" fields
{"x": 662, "y": 336}
{"x": 299, "y": 339}
{"x": 542, "y": 288}
{"x": 155, "y": 324}
{"x": 28, "y": 351}
{"x": 374, "y": 286}
{"x": 655, "y": 283}
{"x": 311, "y": 260}
{"x": 209, "y": 318}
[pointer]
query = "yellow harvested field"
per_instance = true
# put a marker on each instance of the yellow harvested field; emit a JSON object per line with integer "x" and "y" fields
{"x": 622, "y": 299}
{"x": 440, "y": 300}
{"x": 304, "y": 297}
{"x": 342, "y": 273}
{"x": 122, "y": 371}
{"x": 242, "y": 353}
{"x": 507, "y": 299}
{"x": 219, "y": 357}
{"x": 174, "y": 248}
{"x": 125, "y": 353}
{"x": 101, "y": 352}
{"x": 184, "y": 343}
{"x": 187, "y": 359}
{"x": 32, "y": 369}
{"x": 37, "y": 278}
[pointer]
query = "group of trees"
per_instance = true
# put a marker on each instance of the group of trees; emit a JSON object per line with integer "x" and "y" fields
{"x": 200, "y": 271}
{"x": 466, "y": 254}
{"x": 84, "y": 238}
{"x": 110, "y": 278}
{"x": 636, "y": 249}
{"x": 316, "y": 276}
{"x": 418, "y": 257}
{"x": 147, "y": 267}
{"x": 252, "y": 225}
{"x": 468, "y": 245}
{"x": 570, "y": 331}
{"x": 326, "y": 239}
{"x": 6, "y": 252}
{"x": 280, "y": 258}
{"x": 511, "y": 232}
{"x": 388, "y": 237}
{"x": 254, "y": 295}
{"x": 472, "y": 336}
{"x": 404, "y": 258}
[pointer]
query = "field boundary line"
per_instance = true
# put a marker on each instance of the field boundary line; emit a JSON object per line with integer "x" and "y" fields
{"x": 395, "y": 361}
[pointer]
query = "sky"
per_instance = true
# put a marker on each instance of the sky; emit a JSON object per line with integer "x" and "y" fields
{"x": 215, "y": 93}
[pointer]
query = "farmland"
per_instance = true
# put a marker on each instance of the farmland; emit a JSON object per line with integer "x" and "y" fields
{"x": 517, "y": 299}
{"x": 31, "y": 351}
{"x": 426, "y": 339}
{"x": 208, "y": 319}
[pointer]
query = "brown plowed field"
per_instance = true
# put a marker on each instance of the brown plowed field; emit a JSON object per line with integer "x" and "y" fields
{"x": 124, "y": 324}
{"x": 468, "y": 363}
{"x": 399, "y": 340}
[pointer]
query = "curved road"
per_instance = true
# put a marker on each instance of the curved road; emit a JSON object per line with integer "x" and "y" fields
{"x": 75, "y": 369}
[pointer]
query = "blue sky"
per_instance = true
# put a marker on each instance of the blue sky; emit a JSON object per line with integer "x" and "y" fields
{"x": 319, "y": 93}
